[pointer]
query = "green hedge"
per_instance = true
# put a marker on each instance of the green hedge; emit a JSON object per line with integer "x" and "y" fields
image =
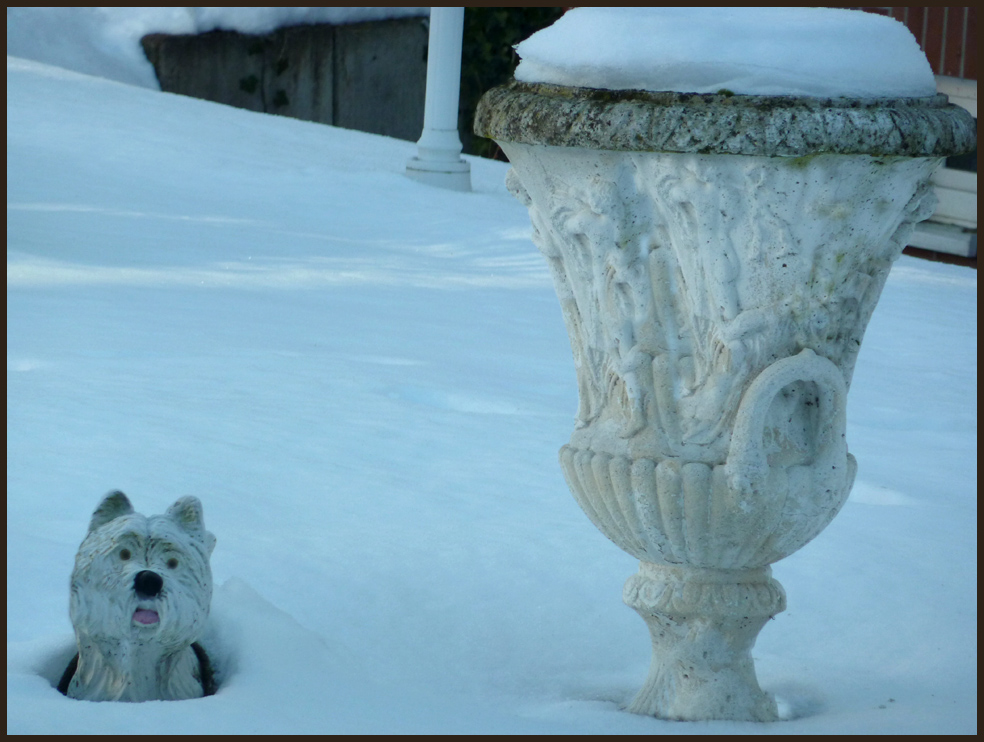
{"x": 488, "y": 59}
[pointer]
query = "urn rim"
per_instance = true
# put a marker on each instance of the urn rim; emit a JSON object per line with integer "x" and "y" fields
{"x": 723, "y": 123}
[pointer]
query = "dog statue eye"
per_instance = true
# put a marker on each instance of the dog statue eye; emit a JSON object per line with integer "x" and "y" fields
{"x": 124, "y": 554}
{"x": 172, "y": 563}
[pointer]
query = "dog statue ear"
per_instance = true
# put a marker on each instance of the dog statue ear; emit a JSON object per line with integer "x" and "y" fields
{"x": 113, "y": 506}
{"x": 187, "y": 513}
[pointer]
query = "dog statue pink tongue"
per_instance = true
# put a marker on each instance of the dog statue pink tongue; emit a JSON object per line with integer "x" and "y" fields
{"x": 145, "y": 616}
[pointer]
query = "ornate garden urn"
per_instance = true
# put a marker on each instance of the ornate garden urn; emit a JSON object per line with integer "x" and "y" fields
{"x": 717, "y": 259}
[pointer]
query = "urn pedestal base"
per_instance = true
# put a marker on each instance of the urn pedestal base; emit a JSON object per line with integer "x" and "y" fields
{"x": 703, "y": 624}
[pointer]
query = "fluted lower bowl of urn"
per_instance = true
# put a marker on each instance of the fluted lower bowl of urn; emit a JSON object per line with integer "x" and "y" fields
{"x": 717, "y": 259}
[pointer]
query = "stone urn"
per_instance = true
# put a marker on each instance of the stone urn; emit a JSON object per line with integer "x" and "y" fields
{"x": 717, "y": 259}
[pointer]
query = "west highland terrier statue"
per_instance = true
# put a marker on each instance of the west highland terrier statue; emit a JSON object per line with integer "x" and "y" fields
{"x": 141, "y": 591}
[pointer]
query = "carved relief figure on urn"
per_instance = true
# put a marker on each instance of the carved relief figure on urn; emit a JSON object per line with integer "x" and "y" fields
{"x": 717, "y": 258}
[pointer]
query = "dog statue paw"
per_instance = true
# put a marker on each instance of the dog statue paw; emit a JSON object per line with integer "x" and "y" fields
{"x": 141, "y": 591}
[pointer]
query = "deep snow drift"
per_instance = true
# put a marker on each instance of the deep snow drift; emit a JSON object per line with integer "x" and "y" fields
{"x": 366, "y": 381}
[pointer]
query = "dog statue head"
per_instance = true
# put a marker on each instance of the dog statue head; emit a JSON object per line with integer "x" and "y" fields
{"x": 141, "y": 591}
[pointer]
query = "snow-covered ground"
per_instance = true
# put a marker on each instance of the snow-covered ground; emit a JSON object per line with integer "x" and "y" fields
{"x": 366, "y": 381}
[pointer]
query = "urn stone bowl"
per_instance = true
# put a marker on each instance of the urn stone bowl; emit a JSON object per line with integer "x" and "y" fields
{"x": 717, "y": 259}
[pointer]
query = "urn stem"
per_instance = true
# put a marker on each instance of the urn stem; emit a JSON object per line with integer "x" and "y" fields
{"x": 703, "y": 624}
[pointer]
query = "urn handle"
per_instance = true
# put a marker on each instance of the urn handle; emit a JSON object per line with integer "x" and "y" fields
{"x": 788, "y": 449}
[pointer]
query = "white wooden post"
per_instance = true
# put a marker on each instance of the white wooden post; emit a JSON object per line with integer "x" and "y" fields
{"x": 438, "y": 161}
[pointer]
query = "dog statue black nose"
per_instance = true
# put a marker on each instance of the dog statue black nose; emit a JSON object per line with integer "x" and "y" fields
{"x": 147, "y": 583}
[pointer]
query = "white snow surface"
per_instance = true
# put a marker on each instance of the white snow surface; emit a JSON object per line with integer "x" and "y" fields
{"x": 366, "y": 381}
{"x": 815, "y": 52}
{"x": 106, "y": 41}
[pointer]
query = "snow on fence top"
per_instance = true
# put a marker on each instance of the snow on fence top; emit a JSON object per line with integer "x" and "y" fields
{"x": 815, "y": 52}
{"x": 105, "y": 42}
{"x": 264, "y": 20}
